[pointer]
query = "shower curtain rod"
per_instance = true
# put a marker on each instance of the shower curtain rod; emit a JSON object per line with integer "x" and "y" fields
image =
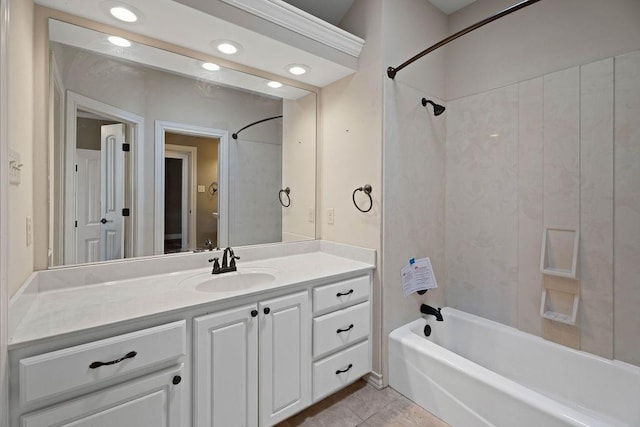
{"x": 235, "y": 135}
{"x": 392, "y": 71}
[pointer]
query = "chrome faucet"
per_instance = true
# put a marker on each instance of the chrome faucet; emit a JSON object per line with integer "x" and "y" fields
{"x": 225, "y": 268}
{"x": 427, "y": 309}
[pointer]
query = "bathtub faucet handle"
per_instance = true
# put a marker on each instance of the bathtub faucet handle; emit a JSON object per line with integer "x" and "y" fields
{"x": 427, "y": 309}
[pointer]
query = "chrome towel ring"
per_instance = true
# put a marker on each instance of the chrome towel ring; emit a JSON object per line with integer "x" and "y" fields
{"x": 287, "y": 192}
{"x": 367, "y": 189}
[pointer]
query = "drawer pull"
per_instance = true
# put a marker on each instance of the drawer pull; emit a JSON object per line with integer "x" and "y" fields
{"x": 339, "y": 331}
{"x": 129, "y": 355}
{"x": 341, "y": 294}
{"x": 344, "y": 370}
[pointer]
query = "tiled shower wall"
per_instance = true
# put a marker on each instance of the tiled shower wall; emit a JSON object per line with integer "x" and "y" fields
{"x": 558, "y": 151}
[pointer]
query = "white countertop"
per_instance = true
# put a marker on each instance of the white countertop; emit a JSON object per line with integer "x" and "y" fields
{"x": 51, "y": 313}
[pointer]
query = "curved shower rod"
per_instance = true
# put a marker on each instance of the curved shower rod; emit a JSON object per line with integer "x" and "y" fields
{"x": 392, "y": 71}
{"x": 235, "y": 135}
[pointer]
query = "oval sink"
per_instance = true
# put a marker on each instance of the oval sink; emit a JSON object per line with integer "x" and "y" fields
{"x": 228, "y": 282}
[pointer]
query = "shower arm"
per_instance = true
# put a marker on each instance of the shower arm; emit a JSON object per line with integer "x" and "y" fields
{"x": 392, "y": 71}
{"x": 235, "y": 135}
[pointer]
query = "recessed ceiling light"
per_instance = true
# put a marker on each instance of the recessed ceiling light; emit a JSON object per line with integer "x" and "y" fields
{"x": 210, "y": 66}
{"x": 274, "y": 84}
{"x": 297, "y": 69}
{"x": 123, "y": 14}
{"x": 228, "y": 47}
{"x": 494, "y": 135}
{"x": 119, "y": 41}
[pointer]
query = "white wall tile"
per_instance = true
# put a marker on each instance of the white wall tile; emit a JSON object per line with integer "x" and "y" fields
{"x": 596, "y": 208}
{"x": 482, "y": 204}
{"x": 561, "y": 197}
{"x": 627, "y": 208}
{"x": 530, "y": 183}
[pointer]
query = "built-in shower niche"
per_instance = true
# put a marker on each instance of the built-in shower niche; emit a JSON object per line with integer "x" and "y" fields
{"x": 559, "y": 306}
{"x": 559, "y": 255}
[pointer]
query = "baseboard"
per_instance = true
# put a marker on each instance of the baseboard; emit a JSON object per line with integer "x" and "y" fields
{"x": 375, "y": 379}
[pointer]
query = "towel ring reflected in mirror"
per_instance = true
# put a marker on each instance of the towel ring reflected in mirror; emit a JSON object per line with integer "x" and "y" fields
{"x": 367, "y": 189}
{"x": 287, "y": 193}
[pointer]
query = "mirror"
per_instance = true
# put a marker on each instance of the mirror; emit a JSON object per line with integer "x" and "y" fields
{"x": 152, "y": 152}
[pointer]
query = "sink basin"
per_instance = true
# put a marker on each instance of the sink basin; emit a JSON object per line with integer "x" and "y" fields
{"x": 228, "y": 282}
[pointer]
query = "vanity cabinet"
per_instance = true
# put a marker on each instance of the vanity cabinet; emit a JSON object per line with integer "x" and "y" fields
{"x": 253, "y": 363}
{"x": 136, "y": 379}
{"x": 154, "y": 400}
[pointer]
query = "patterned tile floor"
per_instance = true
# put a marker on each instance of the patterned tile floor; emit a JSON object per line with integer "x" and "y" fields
{"x": 363, "y": 405}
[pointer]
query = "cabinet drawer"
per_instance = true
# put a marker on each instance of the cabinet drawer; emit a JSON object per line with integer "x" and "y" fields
{"x": 341, "y": 294}
{"x": 327, "y": 373}
{"x": 67, "y": 369}
{"x": 340, "y": 328}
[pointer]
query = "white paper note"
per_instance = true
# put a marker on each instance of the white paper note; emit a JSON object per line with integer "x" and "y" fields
{"x": 417, "y": 276}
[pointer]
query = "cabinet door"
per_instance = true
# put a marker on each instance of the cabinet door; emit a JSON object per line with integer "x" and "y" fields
{"x": 285, "y": 357}
{"x": 226, "y": 369}
{"x": 152, "y": 401}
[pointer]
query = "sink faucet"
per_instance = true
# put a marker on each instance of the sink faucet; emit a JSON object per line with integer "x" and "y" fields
{"x": 224, "y": 268}
{"x": 427, "y": 309}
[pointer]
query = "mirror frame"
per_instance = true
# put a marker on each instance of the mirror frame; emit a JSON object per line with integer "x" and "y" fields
{"x": 42, "y": 134}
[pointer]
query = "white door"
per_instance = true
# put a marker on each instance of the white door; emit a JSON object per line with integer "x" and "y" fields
{"x": 112, "y": 191}
{"x": 88, "y": 211}
{"x": 285, "y": 357}
{"x": 152, "y": 401}
{"x": 226, "y": 368}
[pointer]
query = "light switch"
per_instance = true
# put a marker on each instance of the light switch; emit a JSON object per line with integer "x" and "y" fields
{"x": 330, "y": 216}
{"x": 29, "y": 231}
{"x": 201, "y": 189}
{"x": 312, "y": 215}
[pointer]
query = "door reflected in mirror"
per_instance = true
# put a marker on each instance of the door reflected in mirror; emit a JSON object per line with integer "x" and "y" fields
{"x": 142, "y": 159}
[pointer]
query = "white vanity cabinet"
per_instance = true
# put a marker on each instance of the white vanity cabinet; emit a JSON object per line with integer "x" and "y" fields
{"x": 136, "y": 379}
{"x": 253, "y": 363}
{"x": 341, "y": 334}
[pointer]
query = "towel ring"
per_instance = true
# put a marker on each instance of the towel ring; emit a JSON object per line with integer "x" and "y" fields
{"x": 367, "y": 189}
{"x": 287, "y": 192}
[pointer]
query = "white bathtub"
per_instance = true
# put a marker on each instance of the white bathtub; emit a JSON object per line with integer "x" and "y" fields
{"x": 475, "y": 372}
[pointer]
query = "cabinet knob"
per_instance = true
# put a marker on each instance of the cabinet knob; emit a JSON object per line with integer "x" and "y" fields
{"x": 176, "y": 380}
{"x": 254, "y": 313}
{"x": 267, "y": 310}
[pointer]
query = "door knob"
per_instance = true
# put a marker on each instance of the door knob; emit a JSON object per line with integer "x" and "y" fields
{"x": 105, "y": 220}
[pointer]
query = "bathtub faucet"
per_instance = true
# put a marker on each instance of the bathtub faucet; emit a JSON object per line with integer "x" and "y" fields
{"x": 427, "y": 309}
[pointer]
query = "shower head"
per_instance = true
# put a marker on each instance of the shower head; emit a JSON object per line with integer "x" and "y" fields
{"x": 437, "y": 108}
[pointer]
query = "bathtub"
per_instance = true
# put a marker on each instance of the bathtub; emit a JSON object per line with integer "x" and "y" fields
{"x": 474, "y": 372}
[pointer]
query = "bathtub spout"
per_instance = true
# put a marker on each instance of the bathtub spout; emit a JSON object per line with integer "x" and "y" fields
{"x": 427, "y": 309}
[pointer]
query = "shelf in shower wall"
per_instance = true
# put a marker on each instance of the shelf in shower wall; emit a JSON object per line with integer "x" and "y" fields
{"x": 559, "y": 253}
{"x": 559, "y": 306}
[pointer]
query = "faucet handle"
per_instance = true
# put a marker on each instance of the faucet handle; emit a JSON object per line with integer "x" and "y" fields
{"x": 232, "y": 263}
{"x": 216, "y": 264}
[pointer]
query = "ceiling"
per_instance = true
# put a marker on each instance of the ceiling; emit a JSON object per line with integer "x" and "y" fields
{"x": 450, "y": 6}
{"x": 333, "y": 11}
{"x": 170, "y": 21}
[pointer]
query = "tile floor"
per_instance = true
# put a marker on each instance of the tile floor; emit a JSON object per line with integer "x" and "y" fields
{"x": 363, "y": 405}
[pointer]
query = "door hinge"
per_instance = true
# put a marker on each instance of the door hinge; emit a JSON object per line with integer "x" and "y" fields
{"x": 76, "y": 224}
{"x": 76, "y": 168}
{"x": 126, "y": 147}
{"x": 126, "y": 212}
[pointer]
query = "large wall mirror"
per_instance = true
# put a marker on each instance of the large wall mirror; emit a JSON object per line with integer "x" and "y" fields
{"x": 152, "y": 152}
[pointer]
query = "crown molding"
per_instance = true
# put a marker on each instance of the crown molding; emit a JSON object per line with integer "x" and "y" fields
{"x": 301, "y": 22}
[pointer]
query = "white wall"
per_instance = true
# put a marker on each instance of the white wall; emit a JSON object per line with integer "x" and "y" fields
{"x": 254, "y": 213}
{"x": 545, "y": 37}
{"x": 351, "y": 149}
{"x": 413, "y": 153}
{"x": 20, "y": 136}
{"x": 540, "y": 154}
{"x": 4, "y": 238}
{"x": 299, "y": 167}
{"x": 527, "y": 153}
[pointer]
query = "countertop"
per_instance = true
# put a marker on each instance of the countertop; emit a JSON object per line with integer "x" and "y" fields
{"x": 51, "y": 313}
